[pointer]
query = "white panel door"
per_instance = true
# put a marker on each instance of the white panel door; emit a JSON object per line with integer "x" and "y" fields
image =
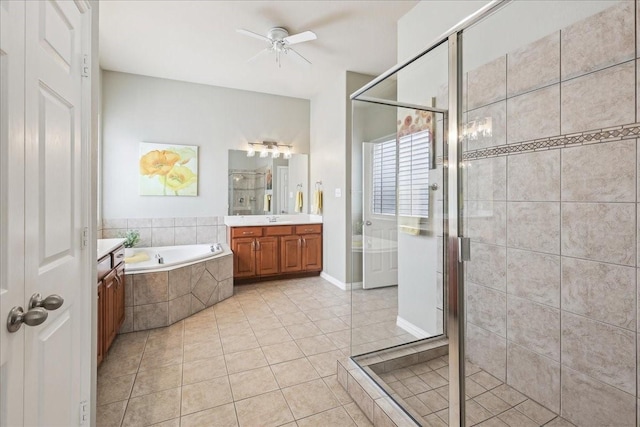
{"x": 53, "y": 217}
{"x": 12, "y": 21}
{"x": 379, "y": 234}
{"x": 40, "y": 215}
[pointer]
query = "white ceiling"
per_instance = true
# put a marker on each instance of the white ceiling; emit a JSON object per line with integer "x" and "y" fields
{"x": 196, "y": 41}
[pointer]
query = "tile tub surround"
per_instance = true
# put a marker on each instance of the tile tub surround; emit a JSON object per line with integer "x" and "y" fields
{"x": 169, "y": 231}
{"x": 159, "y": 299}
{"x": 551, "y": 302}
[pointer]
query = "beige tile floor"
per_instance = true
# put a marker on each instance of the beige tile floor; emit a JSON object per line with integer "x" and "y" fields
{"x": 375, "y": 312}
{"x": 265, "y": 357}
{"x": 424, "y": 387}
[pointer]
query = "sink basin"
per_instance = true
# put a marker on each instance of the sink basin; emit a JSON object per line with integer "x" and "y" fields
{"x": 278, "y": 222}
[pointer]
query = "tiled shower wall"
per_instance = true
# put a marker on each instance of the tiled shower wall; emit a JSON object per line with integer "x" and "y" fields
{"x": 551, "y": 205}
{"x": 169, "y": 231}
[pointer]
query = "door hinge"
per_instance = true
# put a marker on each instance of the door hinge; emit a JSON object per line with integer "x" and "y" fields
{"x": 464, "y": 249}
{"x": 85, "y": 66}
{"x": 84, "y": 412}
{"x": 84, "y": 237}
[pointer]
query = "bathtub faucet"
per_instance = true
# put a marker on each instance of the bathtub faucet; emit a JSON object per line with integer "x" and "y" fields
{"x": 216, "y": 247}
{"x": 160, "y": 259}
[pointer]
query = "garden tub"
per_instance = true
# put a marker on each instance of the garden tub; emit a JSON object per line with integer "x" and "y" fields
{"x": 189, "y": 279}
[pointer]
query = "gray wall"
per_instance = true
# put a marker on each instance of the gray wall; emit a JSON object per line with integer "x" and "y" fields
{"x": 144, "y": 109}
{"x": 331, "y": 159}
{"x": 328, "y": 121}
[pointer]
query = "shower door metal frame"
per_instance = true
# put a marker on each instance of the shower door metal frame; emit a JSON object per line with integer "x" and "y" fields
{"x": 454, "y": 271}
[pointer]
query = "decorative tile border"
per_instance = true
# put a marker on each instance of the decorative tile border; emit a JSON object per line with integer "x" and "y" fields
{"x": 617, "y": 133}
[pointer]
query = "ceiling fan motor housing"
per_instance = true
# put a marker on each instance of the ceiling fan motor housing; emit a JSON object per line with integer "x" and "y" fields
{"x": 277, "y": 33}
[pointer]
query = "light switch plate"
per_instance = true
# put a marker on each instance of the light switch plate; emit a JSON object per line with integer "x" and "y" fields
{"x": 338, "y": 192}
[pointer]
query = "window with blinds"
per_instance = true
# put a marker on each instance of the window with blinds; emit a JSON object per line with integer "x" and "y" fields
{"x": 413, "y": 174}
{"x": 412, "y": 186}
{"x": 384, "y": 178}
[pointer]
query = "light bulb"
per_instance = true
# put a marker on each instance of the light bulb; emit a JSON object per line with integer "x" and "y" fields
{"x": 264, "y": 153}
{"x": 251, "y": 152}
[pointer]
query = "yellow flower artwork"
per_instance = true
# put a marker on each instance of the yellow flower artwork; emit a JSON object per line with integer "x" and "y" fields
{"x": 168, "y": 170}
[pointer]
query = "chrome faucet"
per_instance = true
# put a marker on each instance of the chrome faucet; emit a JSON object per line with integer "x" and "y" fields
{"x": 160, "y": 259}
{"x": 272, "y": 218}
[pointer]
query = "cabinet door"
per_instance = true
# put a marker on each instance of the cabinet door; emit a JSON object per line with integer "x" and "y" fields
{"x": 244, "y": 257}
{"x": 290, "y": 254}
{"x": 312, "y": 252}
{"x": 267, "y": 256}
{"x": 100, "y": 321}
{"x": 119, "y": 298}
{"x": 109, "y": 306}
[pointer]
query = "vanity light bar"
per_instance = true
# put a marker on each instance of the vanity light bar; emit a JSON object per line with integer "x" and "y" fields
{"x": 266, "y": 147}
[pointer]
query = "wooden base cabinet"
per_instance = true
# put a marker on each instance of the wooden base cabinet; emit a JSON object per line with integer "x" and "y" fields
{"x": 291, "y": 254}
{"x": 244, "y": 257}
{"x": 111, "y": 284}
{"x": 267, "y": 256}
{"x": 275, "y": 250}
{"x": 100, "y": 321}
{"x": 312, "y": 252}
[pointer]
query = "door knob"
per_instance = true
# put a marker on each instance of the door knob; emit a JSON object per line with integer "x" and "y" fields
{"x": 52, "y": 302}
{"x": 33, "y": 317}
{"x": 368, "y": 223}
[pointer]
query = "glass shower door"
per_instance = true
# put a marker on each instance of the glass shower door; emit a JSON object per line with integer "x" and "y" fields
{"x": 549, "y": 155}
{"x": 398, "y": 222}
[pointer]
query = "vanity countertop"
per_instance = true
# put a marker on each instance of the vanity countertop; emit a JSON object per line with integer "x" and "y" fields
{"x": 263, "y": 220}
{"x": 107, "y": 245}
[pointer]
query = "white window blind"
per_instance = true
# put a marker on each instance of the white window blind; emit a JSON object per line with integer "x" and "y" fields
{"x": 413, "y": 174}
{"x": 412, "y": 186}
{"x": 384, "y": 178}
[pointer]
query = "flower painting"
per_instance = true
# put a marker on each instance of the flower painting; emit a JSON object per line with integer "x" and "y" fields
{"x": 168, "y": 170}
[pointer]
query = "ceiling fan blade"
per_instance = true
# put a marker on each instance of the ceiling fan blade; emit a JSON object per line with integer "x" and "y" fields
{"x": 301, "y": 59}
{"x": 259, "y": 54}
{"x": 254, "y": 35}
{"x": 300, "y": 37}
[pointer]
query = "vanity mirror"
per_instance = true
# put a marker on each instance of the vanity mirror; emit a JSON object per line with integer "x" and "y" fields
{"x": 266, "y": 185}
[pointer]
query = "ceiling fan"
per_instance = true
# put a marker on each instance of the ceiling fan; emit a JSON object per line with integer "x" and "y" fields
{"x": 279, "y": 41}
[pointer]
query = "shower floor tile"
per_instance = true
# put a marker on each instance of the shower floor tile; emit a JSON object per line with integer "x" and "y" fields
{"x": 423, "y": 389}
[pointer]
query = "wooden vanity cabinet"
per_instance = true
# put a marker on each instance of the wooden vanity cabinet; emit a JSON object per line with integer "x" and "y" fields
{"x": 267, "y": 256}
{"x": 118, "y": 311}
{"x": 244, "y": 256}
{"x": 312, "y": 252}
{"x": 109, "y": 317}
{"x": 275, "y": 250}
{"x": 291, "y": 254}
{"x": 100, "y": 321}
{"x": 111, "y": 285}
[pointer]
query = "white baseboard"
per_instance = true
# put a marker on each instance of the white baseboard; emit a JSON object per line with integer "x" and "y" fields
{"x": 412, "y": 329}
{"x": 336, "y": 282}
